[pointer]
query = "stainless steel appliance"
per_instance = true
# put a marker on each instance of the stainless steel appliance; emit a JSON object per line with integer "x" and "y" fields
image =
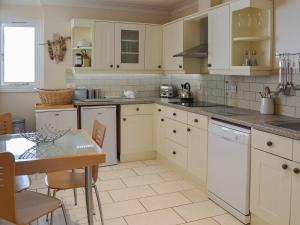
{"x": 168, "y": 91}
{"x": 185, "y": 93}
{"x": 80, "y": 93}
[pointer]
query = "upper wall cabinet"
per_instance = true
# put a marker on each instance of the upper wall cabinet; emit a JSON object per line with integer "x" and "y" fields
{"x": 251, "y": 37}
{"x": 173, "y": 44}
{"x": 129, "y": 46}
{"x": 104, "y": 45}
{"x": 219, "y": 40}
{"x": 153, "y": 47}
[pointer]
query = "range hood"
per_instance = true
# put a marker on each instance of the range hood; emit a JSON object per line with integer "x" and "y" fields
{"x": 199, "y": 51}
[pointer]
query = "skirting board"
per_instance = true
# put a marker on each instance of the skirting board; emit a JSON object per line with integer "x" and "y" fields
{"x": 131, "y": 157}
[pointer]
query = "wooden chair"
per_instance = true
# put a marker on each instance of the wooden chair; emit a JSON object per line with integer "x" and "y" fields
{"x": 65, "y": 180}
{"x": 6, "y": 127}
{"x": 24, "y": 207}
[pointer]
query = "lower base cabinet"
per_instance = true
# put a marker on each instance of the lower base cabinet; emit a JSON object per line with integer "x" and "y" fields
{"x": 273, "y": 185}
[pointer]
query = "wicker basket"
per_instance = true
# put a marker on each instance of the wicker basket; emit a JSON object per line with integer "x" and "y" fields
{"x": 56, "y": 96}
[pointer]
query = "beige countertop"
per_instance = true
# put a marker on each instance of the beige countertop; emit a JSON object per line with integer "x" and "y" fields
{"x": 251, "y": 119}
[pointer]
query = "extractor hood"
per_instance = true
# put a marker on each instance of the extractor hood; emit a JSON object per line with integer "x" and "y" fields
{"x": 199, "y": 51}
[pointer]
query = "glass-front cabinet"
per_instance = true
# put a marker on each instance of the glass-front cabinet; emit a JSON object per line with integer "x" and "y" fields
{"x": 252, "y": 36}
{"x": 129, "y": 46}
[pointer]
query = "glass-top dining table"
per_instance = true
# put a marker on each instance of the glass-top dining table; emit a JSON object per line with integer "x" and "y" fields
{"x": 74, "y": 150}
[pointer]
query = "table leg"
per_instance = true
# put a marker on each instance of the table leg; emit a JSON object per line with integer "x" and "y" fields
{"x": 88, "y": 194}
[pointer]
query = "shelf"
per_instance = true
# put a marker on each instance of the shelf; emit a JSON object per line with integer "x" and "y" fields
{"x": 251, "y": 70}
{"x": 83, "y": 48}
{"x": 251, "y": 39}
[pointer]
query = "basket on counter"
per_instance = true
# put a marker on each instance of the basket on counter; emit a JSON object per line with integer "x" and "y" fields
{"x": 56, "y": 96}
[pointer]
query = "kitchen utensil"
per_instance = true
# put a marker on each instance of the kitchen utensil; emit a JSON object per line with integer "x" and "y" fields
{"x": 267, "y": 92}
{"x": 185, "y": 92}
{"x": 267, "y": 106}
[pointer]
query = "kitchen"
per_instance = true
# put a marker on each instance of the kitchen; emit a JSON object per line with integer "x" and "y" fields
{"x": 236, "y": 43}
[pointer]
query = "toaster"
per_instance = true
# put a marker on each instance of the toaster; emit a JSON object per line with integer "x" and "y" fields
{"x": 168, "y": 91}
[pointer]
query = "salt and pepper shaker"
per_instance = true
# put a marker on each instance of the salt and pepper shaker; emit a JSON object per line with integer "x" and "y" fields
{"x": 250, "y": 58}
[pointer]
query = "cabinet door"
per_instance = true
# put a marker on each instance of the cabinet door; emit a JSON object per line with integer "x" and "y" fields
{"x": 104, "y": 42}
{"x": 295, "y": 202}
{"x": 197, "y": 153}
{"x": 66, "y": 119}
{"x": 270, "y": 188}
{"x": 173, "y": 44}
{"x": 136, "y": 134}
{"x": 153, "y": 47}
{"x": 129, "y": 46}
{"x": 159, "y": 132}
{"x": 219, "y": 38}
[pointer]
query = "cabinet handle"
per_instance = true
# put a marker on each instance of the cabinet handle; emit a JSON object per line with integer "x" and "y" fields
{"x": 137, "y": 109}
{"x": 180, "y": 66}
{"x": 209, "y": 65}
{"x": 100, "y": 113}
{"x": 189, "y": 130}
{"x": 159, "y": 67}
{"x": 296, "y": 171}
{"x": 56, "y": 114}
{"x": 159, "y": 110}
{"x": 174, "y": 114}
{"x": 174, "y": 153}
{"x": 162, "y": 120}
{"x": 174, "y": 131}
{"x": 124, "y": 119}
{"x": 284, "y": 166}
{"x": 118, "y": 66}
{"x": 196, "y": 120}
{"x": 269, "y": 143}
{"x": 111, "y": 66}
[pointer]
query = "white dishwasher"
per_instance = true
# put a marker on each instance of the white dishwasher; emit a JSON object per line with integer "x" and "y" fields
{"x": 107, "y": 116}
{"x": 229, "y": 168}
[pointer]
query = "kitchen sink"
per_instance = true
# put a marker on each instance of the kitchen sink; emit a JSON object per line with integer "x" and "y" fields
{"x": 292, "y": 125}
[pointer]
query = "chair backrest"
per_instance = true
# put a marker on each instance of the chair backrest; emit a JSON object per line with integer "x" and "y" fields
{"x": 98, "y": 136}
{"x": 7, "y": 187}
{"x": 6, "y": 123}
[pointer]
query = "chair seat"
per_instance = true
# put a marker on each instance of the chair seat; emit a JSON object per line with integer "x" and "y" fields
{"x": 22, "y": 183}
{"x": 64, "y": 180}
{"x": 32, "y": 205}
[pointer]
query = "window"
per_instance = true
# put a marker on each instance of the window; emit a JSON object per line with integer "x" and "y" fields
{"x": 20, "y": 56}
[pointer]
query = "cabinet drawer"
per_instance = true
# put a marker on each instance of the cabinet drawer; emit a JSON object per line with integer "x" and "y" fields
{"x": 176, "y": 114}
{"x": 160, "y": 109}
{"x": 176, "y": 132}
{"x": 176, "y": 153}
{"x": 140, "y": 109}
{"x": 296, "y": 151}
{"x": 272, "y": 143}
{"x": 198, "y": 121}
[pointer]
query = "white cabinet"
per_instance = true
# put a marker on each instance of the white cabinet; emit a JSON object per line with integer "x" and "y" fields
{"x": 270, "y": 188}
{"x": 130, "y": 46}
{"x": 104, "y": 45}
{"x": 295, "y": 202}
{"x": 59, "y": 119}
{"x": 219, "y": 39}
{"x": 197, "y": 153}
{"x": 159, "y": 129}
{"x": 153, "y": 47}
{"x": 136, "y": 133}
{"x": 107, "y": 116}
{"x": 173, "y": 44}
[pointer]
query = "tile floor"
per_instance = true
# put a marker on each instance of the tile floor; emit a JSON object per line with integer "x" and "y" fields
{"x": 141, "y": 193}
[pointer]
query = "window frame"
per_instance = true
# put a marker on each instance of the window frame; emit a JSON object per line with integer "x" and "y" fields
{"x": 39, "y": 59}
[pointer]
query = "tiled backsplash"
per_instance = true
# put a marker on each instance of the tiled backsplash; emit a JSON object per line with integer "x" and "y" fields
{"x": 204, "y": 87}
{"x": 247, "y": 95}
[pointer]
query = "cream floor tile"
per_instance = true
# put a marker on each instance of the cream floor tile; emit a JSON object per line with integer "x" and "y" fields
{"x": 115, "y": 174}
{"x": 116, "y": 221}
{"x": 195, "y": 195}
{"x": 172, "y": 186}
{"x": 164, "y": 201}
{"x": 160, "y": 217}
{"x": 131, "y": 193}
{"x": 151, "y": 162}
{"x": 197, "y": 211}
{"x": 227, "y": 219}
{"x": 128, "y": 165}
{"x": 119, "y": 209}
{"x": 142, "y": 180}
{"x": 208, "y": 221}
{"x": 108, "y": 185}
{"x": 170, "y": 176}
{"x": 105, "y": 169}
{"x": 150, "y": 169}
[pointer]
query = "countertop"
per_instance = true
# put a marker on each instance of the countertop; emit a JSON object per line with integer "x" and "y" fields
{"x": 252, "y": 119}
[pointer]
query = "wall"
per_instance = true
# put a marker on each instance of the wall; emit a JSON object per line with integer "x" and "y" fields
{"x": 287, "y": 18}
{"x": 57, "y": 19}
